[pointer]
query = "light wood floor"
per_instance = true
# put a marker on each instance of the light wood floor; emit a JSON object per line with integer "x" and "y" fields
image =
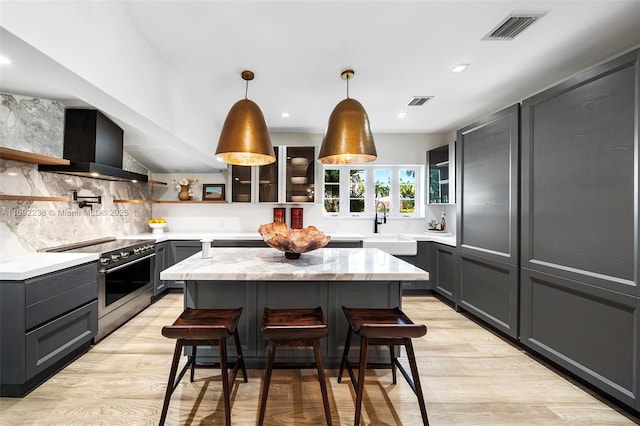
{"x": 469, "y": 376}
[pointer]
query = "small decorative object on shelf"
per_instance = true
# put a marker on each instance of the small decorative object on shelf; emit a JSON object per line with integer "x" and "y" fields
{"x": 279, "y": 214}
{"x": 293, "y": 242}
{"x": 443, "y": 222}
{"x": 157, "y": 225}
{"x": 213, "y": 192}
{"x": 296, "y": 217}
{"x": 185, "y": 186}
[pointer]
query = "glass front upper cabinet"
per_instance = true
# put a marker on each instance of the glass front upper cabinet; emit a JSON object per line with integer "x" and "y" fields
{"x": 299, "y": 174}
{"x": 291, "y": 179}
{"x": 441, "y": 174}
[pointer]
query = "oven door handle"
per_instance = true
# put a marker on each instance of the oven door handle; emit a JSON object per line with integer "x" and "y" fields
{"x": 106, "y": 271}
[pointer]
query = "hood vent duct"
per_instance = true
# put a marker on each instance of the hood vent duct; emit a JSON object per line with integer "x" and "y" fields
{"x": 93, "y": 144}
{"x": 512, "y": 25}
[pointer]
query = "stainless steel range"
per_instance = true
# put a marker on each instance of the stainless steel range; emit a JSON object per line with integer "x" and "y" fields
{"x": 125, "y": 278}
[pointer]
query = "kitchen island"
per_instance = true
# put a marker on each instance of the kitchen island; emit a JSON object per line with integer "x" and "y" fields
{"x": 255, "y": 278}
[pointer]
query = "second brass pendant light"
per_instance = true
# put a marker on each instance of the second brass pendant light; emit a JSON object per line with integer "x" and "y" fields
{"x": 245, "y": 141}
{"x": 348, "y": 139}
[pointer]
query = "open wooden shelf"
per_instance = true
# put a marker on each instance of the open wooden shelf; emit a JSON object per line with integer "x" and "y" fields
{"x": 30, "y": 157}
{"x": 33, "y": 198}
{"x": 168, "y": 202}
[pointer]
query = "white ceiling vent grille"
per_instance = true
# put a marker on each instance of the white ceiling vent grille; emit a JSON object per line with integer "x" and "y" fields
{"x": 419, "y": 100}
{"x": 513, "y": 25}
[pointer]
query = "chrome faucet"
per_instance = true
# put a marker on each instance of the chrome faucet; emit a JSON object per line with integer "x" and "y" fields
{"x": 376, "y": 220}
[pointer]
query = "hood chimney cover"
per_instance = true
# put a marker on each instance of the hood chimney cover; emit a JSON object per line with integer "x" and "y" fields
{"x": 93, "y": 144}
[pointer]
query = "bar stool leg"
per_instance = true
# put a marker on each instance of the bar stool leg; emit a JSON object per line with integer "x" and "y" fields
{"x": 266, "y": 381}
{"x": 222, "y": 344}
{"x": 323, "y": 382}
{"x": 416, "y": 380}
{"x": 392, "y": 351}
{"x": 362, "y": 368}
{"x": 192, "y": 359}
{"x": 239, "y": 353}
{"x": 345, "y": 354}
{"x": 170, "y": 383}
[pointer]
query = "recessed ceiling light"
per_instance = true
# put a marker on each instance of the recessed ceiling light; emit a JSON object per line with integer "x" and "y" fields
{"x": 460, "y": 68}
{"x": 4, "y": 60}
{"x": 285, "y": 115}
{"x": 12, "y": 174}
{"x": 402, "y": 114}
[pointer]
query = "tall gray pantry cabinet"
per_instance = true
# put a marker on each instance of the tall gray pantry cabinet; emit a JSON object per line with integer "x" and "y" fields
{"x": 487, "y": 215}
{"x": 579, "y": 295}
{"x": 549, "y": 223}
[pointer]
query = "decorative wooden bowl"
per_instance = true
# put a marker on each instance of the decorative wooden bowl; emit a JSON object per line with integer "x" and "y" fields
{"x": 293, "y": 242}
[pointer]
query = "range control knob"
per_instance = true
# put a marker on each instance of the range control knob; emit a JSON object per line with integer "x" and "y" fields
{"x": 115, "y": 257}
{"x": 104, "y": 260}
{"x": 124, "y": 254}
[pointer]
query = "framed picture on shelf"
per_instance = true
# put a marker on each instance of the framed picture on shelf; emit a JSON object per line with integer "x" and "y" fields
{"x": 213, "y": 192}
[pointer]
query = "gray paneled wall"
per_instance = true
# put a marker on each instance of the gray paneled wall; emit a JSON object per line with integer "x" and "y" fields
{"x": 579, "y": 277}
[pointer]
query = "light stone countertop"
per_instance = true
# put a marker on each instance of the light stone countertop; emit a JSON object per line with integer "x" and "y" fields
{"x": 268, "y": 264}
{"x": 22, "y": 267}
{"x": 447, "y": 239}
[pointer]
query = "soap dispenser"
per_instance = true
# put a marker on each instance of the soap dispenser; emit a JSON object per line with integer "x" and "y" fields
{"x": 443, "y": 222}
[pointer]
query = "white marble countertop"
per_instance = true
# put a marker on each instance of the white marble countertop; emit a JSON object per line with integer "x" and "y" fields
{"x": 22, "y": 267}
{"x": 448, "y": 239}
{"x": 268, "y": 264}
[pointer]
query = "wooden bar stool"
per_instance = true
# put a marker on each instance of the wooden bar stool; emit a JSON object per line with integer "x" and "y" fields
{"x": 294, "y": 327}
{"x": 204, "y": 327}
{"x": 382, "y": 327}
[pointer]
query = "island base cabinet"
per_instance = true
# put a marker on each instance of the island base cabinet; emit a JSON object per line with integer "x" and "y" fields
{"x": 254, "y": 296}
{"x": 590, "y": 331}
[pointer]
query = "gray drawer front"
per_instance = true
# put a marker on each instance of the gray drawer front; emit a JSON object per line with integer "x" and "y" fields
{"x": 53, "y": 341}
{"x": 57, "y": 293}
{"x": 50, "y": 285}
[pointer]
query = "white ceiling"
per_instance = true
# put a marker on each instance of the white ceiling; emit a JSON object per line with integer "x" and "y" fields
{"x": 168, "y": 71}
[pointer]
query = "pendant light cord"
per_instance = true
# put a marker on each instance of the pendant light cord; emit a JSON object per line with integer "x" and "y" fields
{"x": 246, "y": 88}
{"x": 348, "y": 87}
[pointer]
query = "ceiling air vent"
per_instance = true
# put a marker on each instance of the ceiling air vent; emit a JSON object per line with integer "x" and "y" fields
{"x": 512, "y": 25}
{"x": 419, "y": 100}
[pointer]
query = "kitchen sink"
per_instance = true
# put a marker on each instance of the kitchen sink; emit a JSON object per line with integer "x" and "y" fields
{"x": 392, "y": 244}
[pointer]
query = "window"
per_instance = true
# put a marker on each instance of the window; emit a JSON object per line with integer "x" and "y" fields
{"x": 331, "y": 191}
{"x": 407, "y": 191}
{"x": 358, "y": 191}
{"x": 382, "y": 182}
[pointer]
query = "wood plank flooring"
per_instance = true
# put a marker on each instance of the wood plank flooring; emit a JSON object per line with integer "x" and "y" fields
{"x": 469, "y": 375}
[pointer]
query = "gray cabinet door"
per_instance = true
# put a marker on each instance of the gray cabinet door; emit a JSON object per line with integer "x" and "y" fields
{"x": 487, "y": 219}
{"x": 580, "y": 240}
{"x": 444, "y": 271}
{"x": 162, "y": 263}
{"x": 180, "y": 250}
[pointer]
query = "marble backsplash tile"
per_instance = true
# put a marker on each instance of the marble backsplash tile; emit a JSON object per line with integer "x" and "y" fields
{"x": 32, "y": 124}
{"x": 26, "y": 226}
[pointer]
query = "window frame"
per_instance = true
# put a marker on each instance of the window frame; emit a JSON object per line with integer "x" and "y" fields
{"x": 369, "y": 196}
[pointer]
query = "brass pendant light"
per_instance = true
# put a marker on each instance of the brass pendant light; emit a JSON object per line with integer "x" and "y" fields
{"x": 348, "y": 139}
{"x": 245, "y": 140}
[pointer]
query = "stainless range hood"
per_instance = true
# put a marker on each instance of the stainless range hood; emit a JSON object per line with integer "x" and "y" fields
{"x": 93, "y": 144}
